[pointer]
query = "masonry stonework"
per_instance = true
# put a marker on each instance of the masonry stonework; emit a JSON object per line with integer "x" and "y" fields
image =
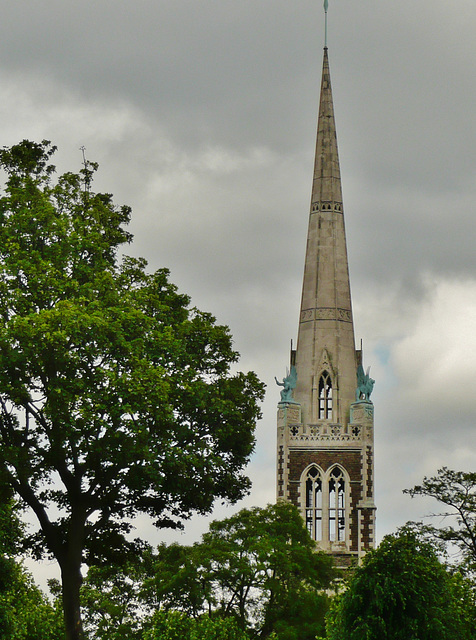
{"x": 325, "y": 452}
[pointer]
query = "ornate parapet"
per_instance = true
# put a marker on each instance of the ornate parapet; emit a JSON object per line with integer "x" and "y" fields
{"x": 324, "y": 432}
{"x": 358, "y": 431}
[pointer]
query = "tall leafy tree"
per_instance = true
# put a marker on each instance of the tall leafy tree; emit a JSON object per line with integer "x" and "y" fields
{"x": 403, "y": 592}
{"x": 116, "y": 397}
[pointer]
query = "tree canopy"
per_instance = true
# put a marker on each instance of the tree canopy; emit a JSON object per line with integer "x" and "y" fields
{"x": 116, "y": 397}
{"x": 403, "y": 592}
{"x": 254, "y": 575}
{"x": 259, "y": 567}
{"x": 175, "y": 625}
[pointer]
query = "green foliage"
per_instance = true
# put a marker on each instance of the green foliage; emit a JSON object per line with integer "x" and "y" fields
{"x": 255, "y": 574}
{"x": 176, "y": 578}
{"x": 116, "y": 397}
{"x": 175, "y": 625}
{"x": 301, "y": 617}
{"x": 403, "y": 592}
{"x": 258, "y": 567}
{"x": 111, "y": 601}
{"x": 456, "y": 491}
{"x": 11, "y": 527}
{"x": 25, "y": 613}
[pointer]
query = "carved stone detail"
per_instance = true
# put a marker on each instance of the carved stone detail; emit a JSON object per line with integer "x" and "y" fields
{"x": 325, "y": 432}
{"x": 326, "y": 313}
{"x": 344, "y": 314}
{"x": 293, "y": 414}
{"x": 307, "y": 315}
{"x": 362, "y": 412}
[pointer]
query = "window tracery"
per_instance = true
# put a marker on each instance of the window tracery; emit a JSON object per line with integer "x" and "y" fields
{"x": 314, "y": 503}
{"x": 325, "y": 504}
{"x": 337, "y": 515}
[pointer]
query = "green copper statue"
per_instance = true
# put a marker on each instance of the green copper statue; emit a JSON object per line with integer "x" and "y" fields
{"x": 365, "y": 384}
{"x": 288, "y": 384}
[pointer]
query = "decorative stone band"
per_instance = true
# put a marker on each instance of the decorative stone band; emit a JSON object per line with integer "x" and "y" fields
{"x": 326, "y": 432}
{"x": 326, "y": 313}
{"x": 326, "y": 206}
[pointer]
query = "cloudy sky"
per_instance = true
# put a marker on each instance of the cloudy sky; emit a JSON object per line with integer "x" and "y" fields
{"x": 202, "y": 116}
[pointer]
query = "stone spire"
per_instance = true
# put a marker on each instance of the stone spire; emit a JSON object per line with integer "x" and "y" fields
{"x": 325, "y": 427}
{"x": 326, "y": 333}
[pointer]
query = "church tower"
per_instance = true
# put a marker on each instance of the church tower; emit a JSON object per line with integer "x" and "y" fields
{"x": 325, "y": 456}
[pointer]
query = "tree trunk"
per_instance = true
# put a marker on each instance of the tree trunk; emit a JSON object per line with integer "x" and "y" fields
{"x": 70, "y": 560}
{"x": 71, "y": 582}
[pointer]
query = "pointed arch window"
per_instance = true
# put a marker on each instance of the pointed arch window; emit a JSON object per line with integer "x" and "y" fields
{"x": 337, "y": 506}
{"x": 325, "y": 502}
{"x": 325, "y": 396}
{"x": 314, "y": 503}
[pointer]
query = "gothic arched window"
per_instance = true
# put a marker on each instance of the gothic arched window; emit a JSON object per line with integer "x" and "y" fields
{"x": 314, "y": 503}
{"x": 336, "y": 505}
{"x": 325, "y": 397}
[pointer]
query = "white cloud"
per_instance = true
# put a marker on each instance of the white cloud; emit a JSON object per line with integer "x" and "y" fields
{"x": 436, "y": 360}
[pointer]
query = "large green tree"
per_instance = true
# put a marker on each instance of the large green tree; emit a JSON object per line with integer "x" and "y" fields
{"x": 116, "y": 397}
{"x": 403, "y": 592}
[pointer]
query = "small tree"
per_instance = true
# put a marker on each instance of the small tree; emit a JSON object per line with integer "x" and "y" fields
{"x": 259, "y": 567}
{"x": 456, "y": 491}
{"x": 116, "y": 398}
{"x": 25, "y": 613}
{"x": 175, "y": 625}
{"x": 111, "y": 601}
{"x": 403, "y": 592}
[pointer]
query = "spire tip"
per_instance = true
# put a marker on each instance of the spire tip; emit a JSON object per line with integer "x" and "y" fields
{"x": 326, "y": 6}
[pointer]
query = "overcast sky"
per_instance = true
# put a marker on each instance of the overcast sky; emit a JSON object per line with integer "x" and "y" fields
{"x": 202, "y": 116}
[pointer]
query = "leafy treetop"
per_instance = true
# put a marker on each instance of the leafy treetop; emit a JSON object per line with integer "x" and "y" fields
{"x": 403, "y": 592}
{"x": 116, "y": 397}
{"x": 456, "y": 492}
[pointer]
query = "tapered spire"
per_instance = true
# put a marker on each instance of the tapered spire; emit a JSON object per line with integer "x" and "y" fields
{"x": 325, "y": 426}
{"x": 326, "y": 185}
{"x": 326, "y": 333}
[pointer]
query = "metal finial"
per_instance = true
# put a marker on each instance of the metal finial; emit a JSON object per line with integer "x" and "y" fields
{"x": 326, "y": 6}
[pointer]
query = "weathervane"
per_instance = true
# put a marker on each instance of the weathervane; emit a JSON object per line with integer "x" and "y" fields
{"x": 326, "y": 6}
